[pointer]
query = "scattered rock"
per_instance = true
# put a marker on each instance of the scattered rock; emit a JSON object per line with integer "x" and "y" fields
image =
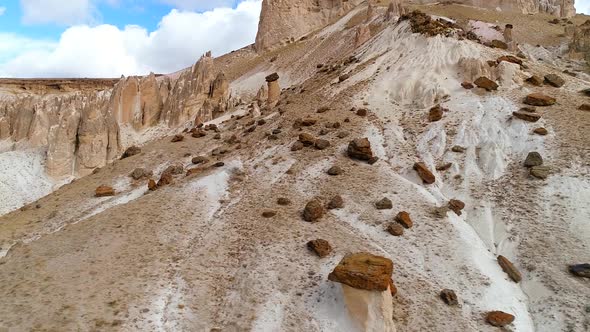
{"x": 199, "y": 133}
{"x": 554, "y": 80}
{"x": 456, "y": 206}
{"x": 467, "y": 85}
{"x": 272, "y": 77}
{"x": 130, "y": 152}
{"x": 336, "y": 203}
{"x": 533, "y": 159}
{"x": 527, "y": 116}
{"x": 362, "y": 112}
{"x": 307, "y": 139}
{"x": 531, "y": 109}
{"x": 165, "y": 179}
{"x": 509, "y": 58}
{"x": 322, "y": 144}
{"x": 152, "y": 185}
{"x": 219, "y": 164}
{"x": 435, "y": 114}
{"x": 384, "y": 204}
{"x": 449, "y": 297}
{"x": 444, "y": 167}
{"x": 424, "y": 173}
{"x": 343, "y": 77}
{"x": 499, "y": 318}
{"x": 509, "y": 269}
{"x": 360, "y": 148}
{"x": 584, "y": 107}
{"x": 323, "y": 109}
{"x": 363, "y": 271}
{"x": 499, "y": 44}
{"x": 580, "y": 270}
{"x": 200, "y": 160}
{"x": 177, "y": 138}
{"x": 458, "y": 149}
{"x": 283, "y": 201}
{"x": 140, "y": 173}
{"x": 541, "y": 131}
{"x": 269, "y": 213}
{"x": 297, "y": 146}
{"x": 395, "y": 229}
{"x": 535, "y": 80}
{"x": 335, "y": 170}
{"x": 485, "y": 83}
{"x": 404, "y": 219}
{"x": 320, "y": 247}
{"x": 308, "y": 122}
{"x": 104, "y": 191}
{"x": 539, "y": 99}
{"x": 540, "y": 172}
{"x": 314, "y": 211}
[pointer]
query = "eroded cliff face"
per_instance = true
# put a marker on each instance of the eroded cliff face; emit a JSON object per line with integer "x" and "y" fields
{"x": 560, "y": 8}
{"x": 82, "y": 130}
{"x": 284, "y": 20}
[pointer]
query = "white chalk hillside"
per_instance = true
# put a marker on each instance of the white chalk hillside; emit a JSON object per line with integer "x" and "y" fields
{"x": 222, "y": 244}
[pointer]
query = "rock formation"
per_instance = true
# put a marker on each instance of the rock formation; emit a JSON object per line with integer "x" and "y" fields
{"x": 282, "y": 20}
{"x": 83, "y": 130}
{"x": 274, "y": 89}
{"x": 560, "y": 8}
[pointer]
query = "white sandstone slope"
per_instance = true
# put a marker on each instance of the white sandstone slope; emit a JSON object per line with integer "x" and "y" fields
{"x": 223, "y": 247}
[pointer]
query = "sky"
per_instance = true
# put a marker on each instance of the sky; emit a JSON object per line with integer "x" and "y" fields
{"x": 110, "y": 38}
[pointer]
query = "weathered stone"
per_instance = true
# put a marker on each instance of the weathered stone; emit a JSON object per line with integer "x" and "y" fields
{"x": 467, "y": 85}
{"x": 269, "y": 213}
{"x": 533, "y": 159}
{"x": 314, "y": 211}
{"x": 307, "y": 139}
{"x": 297, "y": 146}
{"x": 104, "y": 191}
{"x": 449, "y": 297}
{"x": 499, "y": 44}
{"x": 363, "y": 271}
{"x": 456, "y": 206}
{"x": 343, "y": 77}
{"x": 283, "y": 201}
{"x": 320, "y": 247}
{"x": 403, "y": 218}
{"x": 140, "y": 173}
{"x": 540, "y": 172}
{"x": 272, "y": 77}
{"x": 130, "y": 152}
{"x": 174, "y": 169}
{"x": 322, "y": 144}
{"x": 424, "y": 173}
{"x": 541, "y": 131}
{"x": 336, "y": 203}
{"x": 384, "y": 204}
{"x": 360, "y": 148}
{"x": 539, "y": 99}
{"x": 485, "y": 83}
{"x": 177, "y": 138}
{"x": 458, "y": 149}
{"x": 527, "y": 116}
{"x": 362, "y": 112}
{"x": 395, "y": 229}
{"x": 435, "y": 113}
{"x": 219, "y": 164}
{"x": 165, "y": 179}
{"x": 554, "y": 80}
{"x": 152, "y": 185}
{"x": 535, "y": 80}
{"x": 580, "y": 270}
{"x": 335, "y": 170}
{"x": 584, "y": 107}
{"x": 510, "y": 58}
{"x": 499, "y": 318}
{"x": 199, "y": 160}
{"x": 509, "y": 269}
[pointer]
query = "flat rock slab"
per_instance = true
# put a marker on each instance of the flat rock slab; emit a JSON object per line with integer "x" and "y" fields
{"x": 539, "y": 99}
{"x": 527, "y": 116}
{"x": 363, "y": 271}
{"x": 499, "y": 318}
{"x": 509, "y": 268}
{"x": 580, "y": 270}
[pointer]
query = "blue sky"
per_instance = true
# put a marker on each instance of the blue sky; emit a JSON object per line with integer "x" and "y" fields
{"x": 109, "y": 38}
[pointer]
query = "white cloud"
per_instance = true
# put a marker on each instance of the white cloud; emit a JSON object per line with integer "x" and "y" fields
{"x": 56, "y": 11}
{"x": 2, "y": 10}
{"x": 106, "y": 51}
{"x": 198, "y": 5}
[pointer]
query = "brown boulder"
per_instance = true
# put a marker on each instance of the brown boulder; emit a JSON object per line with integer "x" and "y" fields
{"x": 384, "y": 204}
{"x": 104, "y": 191}
{"x": 499, "y": 318}
{"x": 404, "y": 219}
{"x": 320, "y": 247}
{"x": 539, "y": 99}
{"x": 131, "y": 151}
{"x": 199, "y": 160}
{"x": 540, "y": 172}
{"x": 360, "y": 149}
{"x": 152, "y": 185}
{"x": 297, "y": 146}
{"x": 322, "y": 144}
{"x": 165, "y": 179}
{"x": 343, "y": 77}
{"x": 510, "y": 58}
{"x": 584, "y": 107}
{"x": 140, "y": 173}
{"x": 527, "y": 116}
{"x": 424, "y": 173}
{"x": 395, "y": 229}
{"x": 485, "y": 83}
{"x": 554, "y": 80}
{"x": 307, "y": 139}
{"x": 314, "y": 211}
{"x": 362, "y": 112}
{"x": 467, "y": 85}
{"x": 272, "y": 77}
{"x": 449, "y": 297}
{"x": 435, "y": 114}
{"x": 335, "y": 170}
{"x": 535, "y": 80}
{"x": 499, "y": 44}
{"x": 363, "y": 271}
{"x": 269, "y": 213}
{"x": 336, "y": 203}
{"x": 177, "y": 138}
{"x": 457, "y": 206}
{"x": 541, "y": 131}
{"x": 283, "y": 201}
{"x": 509, "y": 269}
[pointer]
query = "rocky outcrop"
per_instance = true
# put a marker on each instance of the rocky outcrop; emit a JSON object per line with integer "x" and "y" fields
{"x": 83, "y": 130}
{"x": 559, "y": 8}
{"x": 282, "y": 21}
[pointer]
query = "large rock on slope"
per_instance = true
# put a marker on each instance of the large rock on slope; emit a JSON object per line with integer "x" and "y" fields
{"x": 363, "y": 271}
{"x": 283, "y": 20}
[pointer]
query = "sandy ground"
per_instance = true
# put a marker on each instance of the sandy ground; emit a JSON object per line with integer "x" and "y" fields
{"x": 198, "y": 255}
